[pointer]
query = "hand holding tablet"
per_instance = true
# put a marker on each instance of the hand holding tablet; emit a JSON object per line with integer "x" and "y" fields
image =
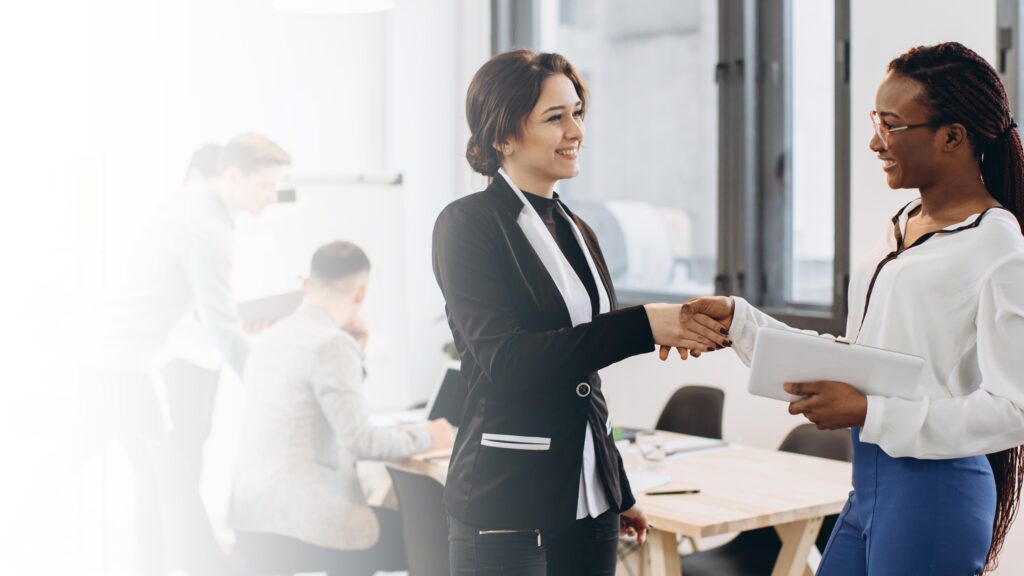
{"x": 782, "y": 356}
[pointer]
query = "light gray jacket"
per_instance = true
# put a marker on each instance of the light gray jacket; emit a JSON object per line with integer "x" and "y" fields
{"x": 305, "y": 427}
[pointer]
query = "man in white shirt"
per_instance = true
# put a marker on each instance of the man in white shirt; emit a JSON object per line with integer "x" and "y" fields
{"x": 192, "y": 370}
{"x": 180, "y": 264}
{"x": 297, "y": 505}
{"x": 182, "y": 261}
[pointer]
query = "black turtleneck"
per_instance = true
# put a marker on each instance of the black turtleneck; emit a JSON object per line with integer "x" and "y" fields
{"x": 561, "y": 231}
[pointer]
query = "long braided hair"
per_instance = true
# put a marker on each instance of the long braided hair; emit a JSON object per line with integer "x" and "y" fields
{"x": 960, "y": 86}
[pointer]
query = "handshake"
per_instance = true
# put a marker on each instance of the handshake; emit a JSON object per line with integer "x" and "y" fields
{"x": 697, "y": 326}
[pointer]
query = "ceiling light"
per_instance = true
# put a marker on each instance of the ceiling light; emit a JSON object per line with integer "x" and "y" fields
{"x": 333, "y": 6}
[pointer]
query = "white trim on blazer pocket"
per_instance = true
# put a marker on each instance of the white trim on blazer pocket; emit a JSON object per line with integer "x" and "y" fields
{"x": 513, "y": 446}
{"x": 513, "y": 442}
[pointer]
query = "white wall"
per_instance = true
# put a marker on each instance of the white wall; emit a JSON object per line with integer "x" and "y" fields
{"x": 429, "y": 70}
{"x": 880, "y": 31}
{"x": 638, "y": 387}
{"x": 112, "y": 97}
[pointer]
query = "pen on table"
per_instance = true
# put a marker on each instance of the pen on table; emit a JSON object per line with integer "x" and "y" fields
{"x": 671, "y": 492}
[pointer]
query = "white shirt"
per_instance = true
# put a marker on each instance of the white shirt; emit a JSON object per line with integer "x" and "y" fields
{"x": 957, "y": 300}
{"x": 180, "y": 264}
{"x": 190, "y": 341}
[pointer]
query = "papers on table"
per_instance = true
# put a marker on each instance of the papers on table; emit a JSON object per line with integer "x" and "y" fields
{"x": 690, "y": 444}
{"x": 641, "y": 482}
{"x": 398, "y": 418}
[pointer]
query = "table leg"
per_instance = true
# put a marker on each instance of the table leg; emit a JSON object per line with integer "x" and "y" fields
{"x": 660, "y": 554}
{"x": 797, "y": 539}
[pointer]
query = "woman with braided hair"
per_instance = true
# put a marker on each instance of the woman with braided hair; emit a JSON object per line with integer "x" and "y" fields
{"x": 936, "y": 479}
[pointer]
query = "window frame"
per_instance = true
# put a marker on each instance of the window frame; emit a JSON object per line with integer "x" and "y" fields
{"x": 751, "y": 135}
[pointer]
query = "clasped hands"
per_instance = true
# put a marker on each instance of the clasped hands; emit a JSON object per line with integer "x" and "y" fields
{"x": 697, "y": 326}
{"x": 702, "y": 325}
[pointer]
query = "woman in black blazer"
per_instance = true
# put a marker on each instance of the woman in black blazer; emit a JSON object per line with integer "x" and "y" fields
{"x": 536, "y": 485}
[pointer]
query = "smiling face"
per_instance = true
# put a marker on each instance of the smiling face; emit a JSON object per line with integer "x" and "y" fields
{"x": 912, "y": 157}
{"x": 548, "y": 147}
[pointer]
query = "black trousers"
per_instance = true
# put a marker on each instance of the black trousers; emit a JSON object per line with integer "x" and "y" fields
{"x": 274, "y": 553}
{"x": 587, "y": 548}
{"x": 191, "y": 390}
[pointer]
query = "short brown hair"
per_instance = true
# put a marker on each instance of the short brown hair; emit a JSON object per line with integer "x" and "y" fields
{"x": 502, "y": 95}
{"x": 205, "y": 161}
{"x": 250, "y": 152}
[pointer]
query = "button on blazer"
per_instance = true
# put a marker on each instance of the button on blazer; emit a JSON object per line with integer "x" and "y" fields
{"x": 532, "y": 376}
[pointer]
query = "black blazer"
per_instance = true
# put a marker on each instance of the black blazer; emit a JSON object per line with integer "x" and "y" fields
{"x": 518, "y": 454}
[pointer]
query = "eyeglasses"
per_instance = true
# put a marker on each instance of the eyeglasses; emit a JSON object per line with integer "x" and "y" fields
{"x": 883, "y": 130}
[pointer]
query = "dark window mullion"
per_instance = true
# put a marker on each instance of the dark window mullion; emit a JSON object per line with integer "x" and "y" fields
{"x": 729, "y": 74}
{"x": 774, "y": 174}
{"x": 841, "y": 258}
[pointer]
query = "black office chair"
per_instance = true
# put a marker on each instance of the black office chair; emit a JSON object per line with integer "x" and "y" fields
{"x": 694, "y": 410}
{"x": 754, "y": 552}
{"x": 424, "y": 522}
{"x": 806, "y": 439}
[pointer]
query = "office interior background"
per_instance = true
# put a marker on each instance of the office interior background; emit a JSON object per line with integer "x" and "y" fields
{"x": 700, "y": 172}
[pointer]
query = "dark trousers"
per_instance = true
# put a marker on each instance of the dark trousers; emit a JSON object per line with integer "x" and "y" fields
{"x": 273, "y": 553}
{"x": 586, "y": 548}
{"x": 191, "y": 391}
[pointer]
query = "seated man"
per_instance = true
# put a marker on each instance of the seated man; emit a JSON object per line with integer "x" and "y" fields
{"x": 297, "y": 504}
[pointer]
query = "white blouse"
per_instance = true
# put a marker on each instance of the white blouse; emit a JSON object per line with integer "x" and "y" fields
{"x": 956, "y": 298}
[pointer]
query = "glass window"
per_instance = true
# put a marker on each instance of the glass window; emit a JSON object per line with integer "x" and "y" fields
{"x": 796, "y": 90}
{"x": 811, "y": 112}
{"x": 680, "y": 86}
{"x": 648, "y": 182}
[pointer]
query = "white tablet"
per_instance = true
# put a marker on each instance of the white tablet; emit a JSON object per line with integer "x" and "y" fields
{"x": 782, "y": 356}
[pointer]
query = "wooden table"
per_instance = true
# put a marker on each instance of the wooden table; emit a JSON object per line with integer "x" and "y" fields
{"x": 741, "y": 488}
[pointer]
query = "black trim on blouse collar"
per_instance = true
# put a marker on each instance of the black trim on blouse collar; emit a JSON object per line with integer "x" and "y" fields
{"x": 898, "y": 233}
{"x": 900, "y": 249}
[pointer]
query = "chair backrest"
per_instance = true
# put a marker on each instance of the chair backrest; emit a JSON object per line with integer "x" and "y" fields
{"x": 694, "y": 410}
{"x": 806, "y": 439}
{"x": 424, "y": 522}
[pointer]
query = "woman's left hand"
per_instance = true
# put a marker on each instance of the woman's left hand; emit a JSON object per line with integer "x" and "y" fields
{"x": 829, "y": 405}
{"x": 633, "y": 522}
